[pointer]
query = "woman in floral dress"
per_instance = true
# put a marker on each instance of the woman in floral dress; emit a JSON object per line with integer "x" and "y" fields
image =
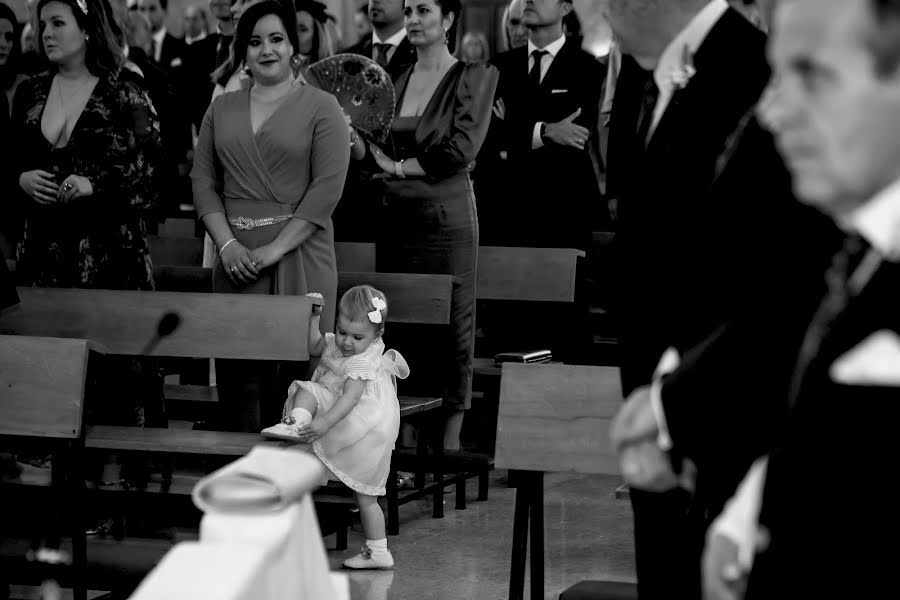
{"x": 89, "y": 147}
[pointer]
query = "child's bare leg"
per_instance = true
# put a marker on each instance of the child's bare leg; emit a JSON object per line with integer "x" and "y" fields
{"x": 372, "y": 517}
{"x": 375, "y": 555}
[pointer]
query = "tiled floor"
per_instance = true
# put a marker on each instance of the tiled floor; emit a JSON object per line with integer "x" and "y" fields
{"x": 466, "y": 555}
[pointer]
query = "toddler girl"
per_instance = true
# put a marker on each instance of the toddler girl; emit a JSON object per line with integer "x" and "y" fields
{"x": 349, "y": 411}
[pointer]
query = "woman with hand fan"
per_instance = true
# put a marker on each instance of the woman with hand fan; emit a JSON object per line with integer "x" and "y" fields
{"x": 269, "y": 168}
{"x": 429, "y": 221}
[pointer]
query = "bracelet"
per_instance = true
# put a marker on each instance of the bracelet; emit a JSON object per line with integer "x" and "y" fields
{"x": 354, "y": 137}
{"x": 225, "y": 245}
{"x": 398, "y": 169}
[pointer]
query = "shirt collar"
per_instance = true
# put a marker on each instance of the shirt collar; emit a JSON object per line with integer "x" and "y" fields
{"x": 552, "y": 48}
{"x": 191, "y": 40}
{"x": 394, "y": 40}
{"x": 691, "y": 37}
{"x": 878, "y": 221}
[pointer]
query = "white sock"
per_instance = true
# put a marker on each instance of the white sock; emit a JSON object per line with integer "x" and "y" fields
{"x": 301, "y": 417}
{"x": 377, "y": 546}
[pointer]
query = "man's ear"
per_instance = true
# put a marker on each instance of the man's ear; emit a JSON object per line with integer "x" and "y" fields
{"x": 565, "y": 6}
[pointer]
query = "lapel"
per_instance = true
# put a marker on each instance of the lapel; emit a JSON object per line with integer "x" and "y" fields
{"x": 702, "y": 96}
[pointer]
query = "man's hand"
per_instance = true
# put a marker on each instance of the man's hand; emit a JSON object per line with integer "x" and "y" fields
{"x": 635, "y": 421}
{"x": 500, "y": 109}
{"x": 723, "y": 578}
{"x": 646, "y": 467}
{"x": 567, "y": 133}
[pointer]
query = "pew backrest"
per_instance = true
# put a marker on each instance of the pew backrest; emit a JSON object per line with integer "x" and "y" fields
{"x": 247, "y": 326}
{"x": 527, "y": 274}
{"x": 176, "y": 251}
{"x": 556, "y": 418}
{"x": 42, "y": 382}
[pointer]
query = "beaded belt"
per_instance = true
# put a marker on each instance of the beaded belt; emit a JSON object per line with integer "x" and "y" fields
{"x": 247, "y": 223}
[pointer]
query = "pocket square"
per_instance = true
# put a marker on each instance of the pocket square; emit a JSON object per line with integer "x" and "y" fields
{"x": 874, "y": 361}
{"x": 559, "y": 91}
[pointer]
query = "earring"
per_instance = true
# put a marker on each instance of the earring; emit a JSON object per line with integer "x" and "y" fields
{"x": 246, "y": 70}
{"x": 295, "y": 60}
{"x": 447, "y": 36}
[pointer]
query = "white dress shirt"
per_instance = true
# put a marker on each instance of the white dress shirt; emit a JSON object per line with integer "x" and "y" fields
{"x": 158, "y": 38}
{"x": 394, "y": 41}
{"x": 672, "y": 59}
{"x": 552, "y": 49}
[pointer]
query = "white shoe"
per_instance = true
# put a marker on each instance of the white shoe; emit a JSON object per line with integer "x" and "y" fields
{"x": 367, "y": 559}
{"x": 281, "y": 431}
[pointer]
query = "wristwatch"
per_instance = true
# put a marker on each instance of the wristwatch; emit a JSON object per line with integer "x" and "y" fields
{"x": 398, "y": 168}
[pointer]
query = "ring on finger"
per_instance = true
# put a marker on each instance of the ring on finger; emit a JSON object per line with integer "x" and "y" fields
{"x": 67, "y": 185}
{"x": 234, "y": 269}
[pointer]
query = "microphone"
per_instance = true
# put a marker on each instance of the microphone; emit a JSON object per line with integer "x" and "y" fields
{"x": 166, "y": 326}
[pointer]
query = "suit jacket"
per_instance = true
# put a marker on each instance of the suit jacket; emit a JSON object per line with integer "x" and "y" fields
{"x": 200, "y": 60}
{"x": 555, "y": 184}
{"x": 403, "y": 56}
{"x": 706, "y": 251}
{"x": 172, "y": 53}
{"x": 665, "y": 223}
{"x": 827, "y": 537}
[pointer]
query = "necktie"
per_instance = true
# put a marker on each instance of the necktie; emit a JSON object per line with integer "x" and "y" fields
{"x": 222, "y": 49}
{"x": 381, "y": 54}
{"x": 836, "y": 299}
{"x": 535, "y": 74}
{"x": 645, "y": 117}
{"x": 153, "y": 47}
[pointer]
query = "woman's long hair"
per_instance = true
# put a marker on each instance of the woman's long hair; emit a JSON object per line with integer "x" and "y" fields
{"x": 104, "y": 56}
{"x": 10, "y": 70}
{"x": 324, "y": 31}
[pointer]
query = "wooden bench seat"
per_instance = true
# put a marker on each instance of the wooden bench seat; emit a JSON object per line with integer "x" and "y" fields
{"x": 190, "y": 441}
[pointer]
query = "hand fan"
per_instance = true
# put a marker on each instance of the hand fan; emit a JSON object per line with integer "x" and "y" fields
{"x": 362, "y": 88}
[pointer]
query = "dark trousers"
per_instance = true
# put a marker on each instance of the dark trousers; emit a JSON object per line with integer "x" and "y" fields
{"x": 668, "y": 545}
{"x": 252, "y": 392}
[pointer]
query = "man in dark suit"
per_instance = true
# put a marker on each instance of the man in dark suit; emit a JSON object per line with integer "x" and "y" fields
{"x": 550, "y": 93}
{"x": 835, "y": 110}
{"x": 704, "y": 244}
{"x": 167, "y": 50}
{"x": 203, "y": 57}
{"x": 388, "y": 44}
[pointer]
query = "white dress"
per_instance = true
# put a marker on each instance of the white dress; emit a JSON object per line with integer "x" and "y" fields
{"x": 357, "y": 450}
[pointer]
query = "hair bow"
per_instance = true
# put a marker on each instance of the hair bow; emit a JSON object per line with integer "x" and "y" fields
{"x": 375, "y": 315}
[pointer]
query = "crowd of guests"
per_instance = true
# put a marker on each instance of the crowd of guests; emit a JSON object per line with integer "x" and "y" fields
{"x": 712, "y": 150}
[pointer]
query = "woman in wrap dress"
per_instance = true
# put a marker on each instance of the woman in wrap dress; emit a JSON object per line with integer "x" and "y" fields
{"x": 268, "y": 171}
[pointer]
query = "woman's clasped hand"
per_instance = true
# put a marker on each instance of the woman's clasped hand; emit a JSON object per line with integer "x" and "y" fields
{"x": 41, "y": 186}
{"x": 239, "y": 265}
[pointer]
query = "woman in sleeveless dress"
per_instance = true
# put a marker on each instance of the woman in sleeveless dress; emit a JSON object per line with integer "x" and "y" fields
{"x": 429, "y": 222}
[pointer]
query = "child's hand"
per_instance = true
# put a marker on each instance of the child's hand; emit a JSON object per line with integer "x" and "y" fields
{"x": 316, "y": 308}
{"x": 313, "y": 431}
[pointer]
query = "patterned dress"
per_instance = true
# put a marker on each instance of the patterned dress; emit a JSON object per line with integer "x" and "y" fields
{"x": 97, "y": 241}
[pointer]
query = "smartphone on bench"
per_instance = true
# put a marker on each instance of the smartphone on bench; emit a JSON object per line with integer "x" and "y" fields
{"x": 533, "y": 356}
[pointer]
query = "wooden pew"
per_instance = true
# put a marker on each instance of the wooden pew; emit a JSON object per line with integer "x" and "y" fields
{"x": 217, "y": 326}
{"x": 42, "y": 393}
{"x": 552, "y": 418}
